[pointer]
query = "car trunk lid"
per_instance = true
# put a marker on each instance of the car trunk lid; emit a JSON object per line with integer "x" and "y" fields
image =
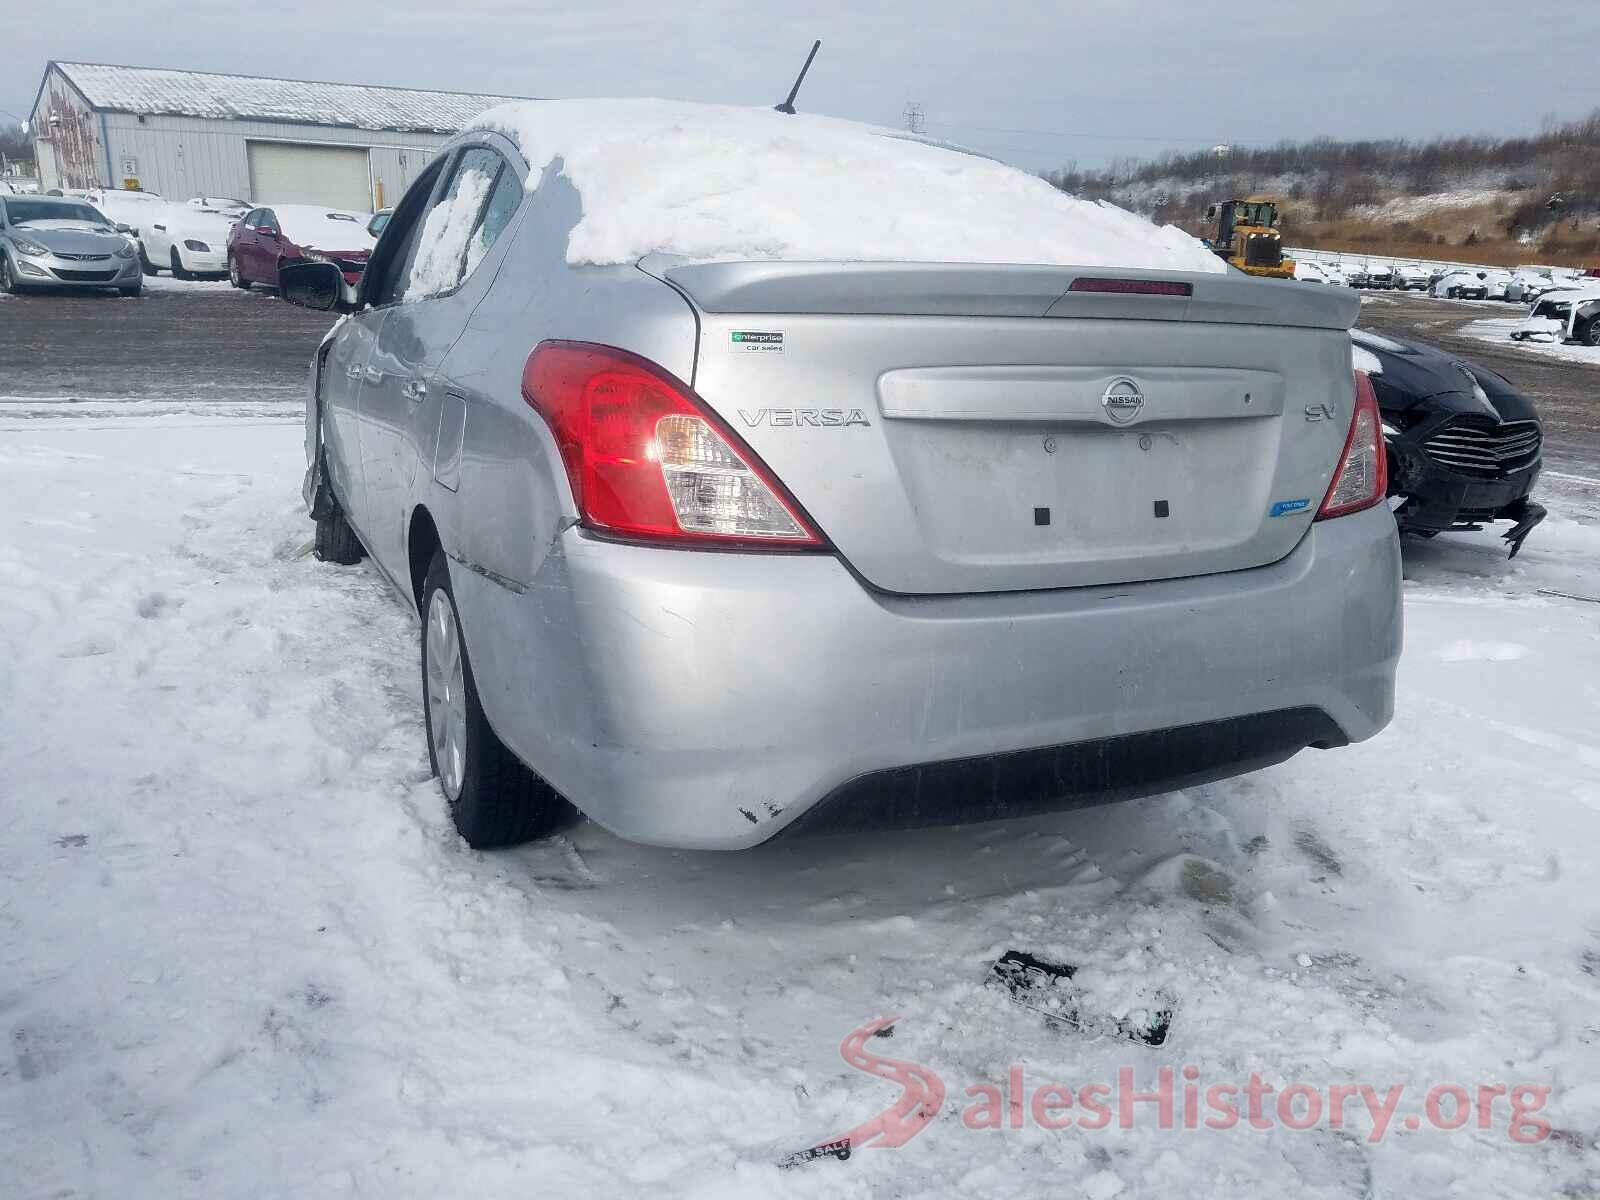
{"x": 958, "y": 428}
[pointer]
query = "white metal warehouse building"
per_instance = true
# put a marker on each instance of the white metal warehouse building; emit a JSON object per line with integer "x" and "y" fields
{"x": 268, "y": 141}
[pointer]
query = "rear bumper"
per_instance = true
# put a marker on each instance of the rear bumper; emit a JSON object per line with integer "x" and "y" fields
{"x": 711, "y": 700}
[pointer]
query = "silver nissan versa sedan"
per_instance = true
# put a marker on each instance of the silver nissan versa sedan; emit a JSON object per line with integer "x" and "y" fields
{"x": 48, "y": 241}
{"x": 719, "y": 525}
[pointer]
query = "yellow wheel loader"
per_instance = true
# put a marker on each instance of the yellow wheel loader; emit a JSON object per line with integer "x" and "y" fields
{"x": 1248, "y": 238}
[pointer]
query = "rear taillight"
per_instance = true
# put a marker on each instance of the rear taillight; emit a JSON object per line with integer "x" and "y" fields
{"x": 647, "y": 459}
{"x": 1362, "y": 478}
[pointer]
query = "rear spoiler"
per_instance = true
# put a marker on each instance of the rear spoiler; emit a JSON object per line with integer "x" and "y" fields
{"x": 1000, "y": 290}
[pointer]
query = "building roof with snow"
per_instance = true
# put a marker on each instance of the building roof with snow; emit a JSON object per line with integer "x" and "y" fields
{"x": 156, "y": 91}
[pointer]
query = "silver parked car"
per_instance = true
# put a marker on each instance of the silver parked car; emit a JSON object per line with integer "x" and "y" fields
{"x": 49, "y": 241}
{"x": 714, "y": 549}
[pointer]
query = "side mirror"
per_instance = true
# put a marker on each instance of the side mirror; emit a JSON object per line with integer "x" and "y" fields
{"x": 312, "y": 285}
{"x": 124, "y": 228}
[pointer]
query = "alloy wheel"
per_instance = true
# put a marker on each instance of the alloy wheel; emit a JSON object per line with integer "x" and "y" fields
{"x": 447, "y": 693}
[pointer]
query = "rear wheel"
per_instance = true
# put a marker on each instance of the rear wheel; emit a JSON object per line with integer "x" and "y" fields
{"x": 178, "y": 271}
{"x": 336, "y": 540}
{"x": 235, "y": 277}
{"x": 494, "y": 799}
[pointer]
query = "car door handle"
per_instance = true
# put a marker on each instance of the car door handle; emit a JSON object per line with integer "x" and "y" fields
{"x": 415, "y": 389}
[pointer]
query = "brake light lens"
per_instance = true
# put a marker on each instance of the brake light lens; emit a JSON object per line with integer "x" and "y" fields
{"x": 1362, "y": 479}
{"x": 647, "y": 459}
{"x": 1131, "y": 287}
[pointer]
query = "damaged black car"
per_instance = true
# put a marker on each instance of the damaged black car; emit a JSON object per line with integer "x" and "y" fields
{"x": 1464, "y": 444}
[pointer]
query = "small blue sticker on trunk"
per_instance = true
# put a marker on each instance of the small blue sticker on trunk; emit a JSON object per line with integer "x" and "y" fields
{"x": 1283, "y": 507}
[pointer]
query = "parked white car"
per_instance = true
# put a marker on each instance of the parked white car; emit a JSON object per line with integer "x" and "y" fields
{"x": 1527, "y": 285}
{"x": 1459, "y": 285}
{"x": 1410, "y": 276}
{"x": 1566, "y": 314}
{"x": 1346, "y": 272}
{"x": 132, "y": 209}
{"x": 1314, "y": 272}
{"x": 187, "y": 239}
{"x": 1495, "y": 284}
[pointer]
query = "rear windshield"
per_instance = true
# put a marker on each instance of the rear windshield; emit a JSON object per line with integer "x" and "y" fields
{"x": 20, "y": 212}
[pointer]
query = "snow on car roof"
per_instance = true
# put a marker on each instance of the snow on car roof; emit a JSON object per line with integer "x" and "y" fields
{"x": 242, "y": 97}
{"x": 714, "y": 182}
{"x": 323, "y": 228}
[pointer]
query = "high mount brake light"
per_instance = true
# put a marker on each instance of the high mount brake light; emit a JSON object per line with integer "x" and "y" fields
{"x": 647, "y": 459}
{"x": 1362, "y": 478}
{"x": 1131, "y": 287}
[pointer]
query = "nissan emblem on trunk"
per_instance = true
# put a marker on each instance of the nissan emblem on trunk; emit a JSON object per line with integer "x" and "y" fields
{"x": 1122, "y": 401}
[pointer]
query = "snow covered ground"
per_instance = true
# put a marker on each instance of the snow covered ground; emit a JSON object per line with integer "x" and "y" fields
{"x": 1500, "y": 331}
{"x": 242, "y": 953}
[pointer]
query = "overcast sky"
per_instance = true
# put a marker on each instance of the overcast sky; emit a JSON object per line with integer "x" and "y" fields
{"x": 1038, "y": 84}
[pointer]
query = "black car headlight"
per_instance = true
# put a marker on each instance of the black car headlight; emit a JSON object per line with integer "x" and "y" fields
{"x": 197, "y": 247}
{"x": 125, "y": 250}
{"x": 31, "y": 249}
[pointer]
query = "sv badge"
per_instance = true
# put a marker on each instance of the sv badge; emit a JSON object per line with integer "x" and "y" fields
{"x": 1320, "y": 412}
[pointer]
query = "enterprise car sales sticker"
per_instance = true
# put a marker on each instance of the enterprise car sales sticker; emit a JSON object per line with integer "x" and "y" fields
{"x": 770, "y": 343}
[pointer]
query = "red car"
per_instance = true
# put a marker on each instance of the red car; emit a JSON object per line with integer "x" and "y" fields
{"x": 269, "y": 238}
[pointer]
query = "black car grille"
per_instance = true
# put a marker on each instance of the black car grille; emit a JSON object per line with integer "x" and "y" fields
{"x": 1476, "y": 446}
{"x": 86, "y": 276}
{"x": 82, "y": 257}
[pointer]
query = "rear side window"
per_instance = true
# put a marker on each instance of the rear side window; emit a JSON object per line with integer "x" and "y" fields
{"x": 476, "y": 208}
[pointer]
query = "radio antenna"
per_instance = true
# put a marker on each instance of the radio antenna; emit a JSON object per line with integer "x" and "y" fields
{"x": 788, "y": 105}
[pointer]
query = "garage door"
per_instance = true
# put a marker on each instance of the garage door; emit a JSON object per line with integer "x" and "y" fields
{"x": 291, "y": 173}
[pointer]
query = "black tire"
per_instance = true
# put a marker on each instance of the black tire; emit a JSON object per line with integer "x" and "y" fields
{"x": 145, "y": 265}
{"x": 236, "y": 276}
{"x": 1589, "y": 333}
{"x": 500, "y": 802}
{"x": 178, "y": 271}
{"x": 8, "y": 283}
{"x": 135, "y": 289}
{"x": 337, "y": 541}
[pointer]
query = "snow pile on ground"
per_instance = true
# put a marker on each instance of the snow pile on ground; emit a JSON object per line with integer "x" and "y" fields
{"x": 712, "y": 182}
{"x": 1500, "y": 331}
{"x": 243, "y": 954}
